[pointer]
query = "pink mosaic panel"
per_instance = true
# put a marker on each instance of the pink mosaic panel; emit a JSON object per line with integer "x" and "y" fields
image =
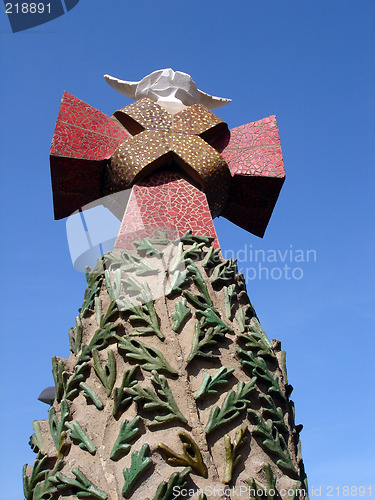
{"x": 254, "y": 149}
{"x": 165, "y": 202}
{"x": 84, "y": 132}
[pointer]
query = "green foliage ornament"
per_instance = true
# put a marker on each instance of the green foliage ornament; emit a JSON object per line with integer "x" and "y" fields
{"x": 202, "y": 300}
{"x": 80, "y": 485}
{"x": 224, "y": 272}
{"x": 232, "y": 457}
{"x": 78, "y": 434}
{"x": 212, "y": 258}
{"x": 91, "y": 395}
{"x": 106, "y": 375}
{"x": 161, "y": 400}
{"x": 94, "y": 280}
{"x": 121, "y": 396}
{"x": 233, "y": 404}
{"x": 205, "y": 340}
{"x": 125, "y": 261}
{"x": 40, "y": 484}
{"x": 178, "y": 317}
{"x": 211, "y": 383}
{"x": 146, "y": 247}
{"x": 170, "y": 490}
{"x": 229, "y": 299}
{"x": 190, "y": 238}
{"x": 128, "y": 431}
{"x": 140, "y": 462}
{"x": 190, "y": 457}
{"x": 258, "y": 368}
{"x": 273, "y": 442}
{"x": 75, "y": 336}
{"x": 141, "y": 313}
{"x": 57, "y": 426}
{"x": 36, "y": 440}
{"x": 100, "y": 340}
{"x": 270, "y": 492}
{"x": 149, "y": 358}
{"x": 256, "y": 340}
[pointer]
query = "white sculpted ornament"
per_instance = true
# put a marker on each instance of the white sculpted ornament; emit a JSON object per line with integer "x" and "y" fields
{"x": 173, "y": 90}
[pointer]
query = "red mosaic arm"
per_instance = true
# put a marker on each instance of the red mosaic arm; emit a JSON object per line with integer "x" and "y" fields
{"x": 84, "y": 132}
{"x": 165, "y": 202}
{"x": 255, "y": 161}
{"x": 83, "y": 140}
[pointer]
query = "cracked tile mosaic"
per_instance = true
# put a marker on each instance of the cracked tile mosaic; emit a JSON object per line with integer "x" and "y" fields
{"x": 93, "y": 155}
{"x": 254, "y": 149}
{"x": 165, "y": 202}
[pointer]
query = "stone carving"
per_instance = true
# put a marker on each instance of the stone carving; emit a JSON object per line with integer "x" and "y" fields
{"x": 171, "y": 89}
{"x": 192, "y": 362}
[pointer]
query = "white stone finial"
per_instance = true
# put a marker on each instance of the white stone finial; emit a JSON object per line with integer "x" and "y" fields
{"x": 174, "y": 90}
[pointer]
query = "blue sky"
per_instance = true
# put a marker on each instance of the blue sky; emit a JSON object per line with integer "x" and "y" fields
{"x": 308, "y": 62}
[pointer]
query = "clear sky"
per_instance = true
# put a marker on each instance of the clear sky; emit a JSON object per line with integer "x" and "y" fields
{"x": 309, "y": 62}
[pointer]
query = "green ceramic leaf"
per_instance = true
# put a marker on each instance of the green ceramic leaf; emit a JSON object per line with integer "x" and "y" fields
{"x": 56, "y": 425}
{"x": 145, "y": 246}
{"x": 273, "y": 442}
{"x": 179, "y": 279}
{"x": 176, "y": 483}
{"x": 182, "y": 312}
{"x": 140, "y": 462}
{"x": 212, "y": 258}
{"x": 224, "y": 272}
{"x": 78, "y": 434}
{"x": 160, "y": 401}
{"x": 190, "y": 457}
{"x": 232, "y": 457}
{"x": 128, "y": 431}
{"x": 90, "y": 394}
{"x": 39, "y": 483}
{"x": 205, "y": 339}
{"x": 84, "y": 488}
{"x": 121, "y": 397}
{"x": 211, "y": 383}
{"x": 234, "y": 403}
{"x": 258, "y": 368}
{"x": 36, "y": 440}
{"x": 190, "y": 238}
{"x": 106, "y": 375}
{"x": 148, "y": 357}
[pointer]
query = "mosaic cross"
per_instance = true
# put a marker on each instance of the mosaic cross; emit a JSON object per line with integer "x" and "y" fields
{"x": 183, "y": 169}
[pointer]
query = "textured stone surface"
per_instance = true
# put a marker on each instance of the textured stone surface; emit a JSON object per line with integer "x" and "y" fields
{"x": 252, "y": 400}
{"x": 171, "y": 377}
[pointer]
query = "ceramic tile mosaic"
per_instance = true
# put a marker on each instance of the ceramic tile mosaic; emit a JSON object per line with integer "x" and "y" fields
{"x": 84, "y": 132}
{"x": 195, "y": 120}
{"x": 145, "y": 112}
{"x": 163, "y": 142}
{"x": 83, "y": 140}
{"x": 254, "y": 149}
{"x": 165, "y": 202}
{"x": 93, "y": 155}
{"x": 255, "y": 161}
